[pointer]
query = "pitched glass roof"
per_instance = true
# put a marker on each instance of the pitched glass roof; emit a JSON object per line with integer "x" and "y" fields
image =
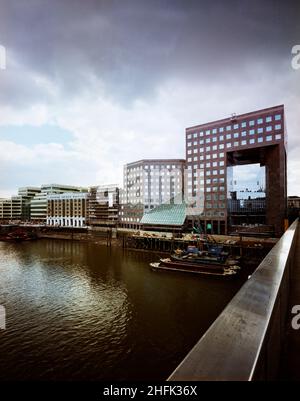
{"x": 166, "y": 214}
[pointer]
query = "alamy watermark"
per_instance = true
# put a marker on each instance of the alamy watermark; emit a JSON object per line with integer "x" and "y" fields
{"x": 296, "y": 59}
{"x": 2, "y": 318}
{"x": 2, "y": 58}
{"x": 296, "y": 318}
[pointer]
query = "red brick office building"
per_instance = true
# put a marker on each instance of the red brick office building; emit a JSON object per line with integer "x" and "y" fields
{"x": 255, "y": 137}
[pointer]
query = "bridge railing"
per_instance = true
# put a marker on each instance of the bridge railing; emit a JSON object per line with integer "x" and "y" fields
{"x": 245, "y": 341}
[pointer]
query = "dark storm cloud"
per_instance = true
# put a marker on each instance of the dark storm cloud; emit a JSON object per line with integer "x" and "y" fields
{"x": 131, "y": 47}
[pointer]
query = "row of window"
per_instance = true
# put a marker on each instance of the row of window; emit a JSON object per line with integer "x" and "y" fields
{"x": 215, "y": 205}
{"x": 207, "y": 189}
{"x": 228, "y": 145}
{"x": 243, "y": 124}
{"x": 208, "y": 181}
{"x": 233, "y": 135}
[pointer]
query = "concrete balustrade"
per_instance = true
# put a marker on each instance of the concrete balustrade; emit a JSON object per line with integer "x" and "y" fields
{"x": 246, "y": 340}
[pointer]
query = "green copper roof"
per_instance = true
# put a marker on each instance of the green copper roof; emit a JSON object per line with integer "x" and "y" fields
{"x": 166, "y": 214}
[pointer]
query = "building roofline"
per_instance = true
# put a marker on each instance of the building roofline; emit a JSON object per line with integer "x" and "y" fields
{"x": 155, "y": 161}
{"x": 251, "y": 113}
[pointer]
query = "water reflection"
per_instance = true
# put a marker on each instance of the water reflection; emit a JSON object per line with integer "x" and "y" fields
{"x": 83, "y": 311}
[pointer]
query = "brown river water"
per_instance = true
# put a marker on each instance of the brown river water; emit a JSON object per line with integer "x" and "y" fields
{"x": 82, "y": 311}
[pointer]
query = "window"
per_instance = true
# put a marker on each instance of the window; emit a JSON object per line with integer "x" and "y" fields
{"x": 221, "y": 171}
{"x": 214, "y": 139}
{"x": 215, "y": 172}
{"x": 195, "y": 135}
{"x": 236, "y": 126}
{"x": 236, "y": 135}
{"x": 221, "y": 129}
{"x": 228, "y": 128}
{"x": 201, "y": 150}
{"x": 244, "y": 142}
{"x": 278, "y": 136}
{"x": 207, "y": 148}
{"x": 221, "y": 138}
{"x": 215, "y": 156}
{"x": 251, "y": 132}
{"x": 269, "y": 138}
{"x": 260, "y": 130}
{"x": 207, "y": 164}
{"x": 236, "y": 143}
{"x": 201, "y": 142}
{"x": 189, "y": 136}
{"x": 260, "y": 139}
{"x": 201, "y": 133}
{"x": 260, "y": 121}
{"x": 269, "y": 128}
{"x": 244, "y": 124}
{"x": 244, "y": 133}
{"x": 189, "y": 152}
{"x": 188, "y": 144}
{"x": 228, "y": 145}
{"x": 278, "y": 117}
{"x": 221, "y": 154}
{"x": 207, "y": 157}
{"x": 221, "y": 163}
{"x": 268, "y": 119}
{"x": 215, "y": 147}
{"x": 251, "y": 123}
{"x": 221, "y": 146}
{"x": 252, "y": 141}
{"x": 278, "y": 126}
{"x": 228, "y": 136}
{"x": 207, "y": 140}
{"x": 214, "y": 131}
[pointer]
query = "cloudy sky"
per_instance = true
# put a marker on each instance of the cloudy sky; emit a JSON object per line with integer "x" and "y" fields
{"x": 90, "y": 85}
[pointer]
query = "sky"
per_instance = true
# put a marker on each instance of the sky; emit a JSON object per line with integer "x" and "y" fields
{"x": 91, "y": 85}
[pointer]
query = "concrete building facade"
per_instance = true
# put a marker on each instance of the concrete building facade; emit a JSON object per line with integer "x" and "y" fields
{"x": 147, "y": 184}
{"x": 39, "y": 203}
{"x": 103, "y": 206}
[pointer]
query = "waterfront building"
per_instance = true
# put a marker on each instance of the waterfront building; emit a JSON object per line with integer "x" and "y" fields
{"x": 39, "y": 203}
{"x": 215, "y": 148}
{"x": 27, "y": 193}
{"x": 103, "y": 206}
{"x": 293, "y": 208}
{"x": 10, "y": 208}
{"x": 67, "y": 209}
{"x": 17, "y": 207}
{"x": 146, "y": 185}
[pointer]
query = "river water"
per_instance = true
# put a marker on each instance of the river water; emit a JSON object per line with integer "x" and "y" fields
{"x": 81, "y": 311}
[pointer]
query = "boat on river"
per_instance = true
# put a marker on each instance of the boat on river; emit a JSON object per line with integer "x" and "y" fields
{"x": 211, "y": 262}
{"x": 17, "y": 236}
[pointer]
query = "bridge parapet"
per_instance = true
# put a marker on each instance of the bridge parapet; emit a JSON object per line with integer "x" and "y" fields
{"x": 246, "y": 340}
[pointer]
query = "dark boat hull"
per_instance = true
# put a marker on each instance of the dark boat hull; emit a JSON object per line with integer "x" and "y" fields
{"x": 197, "y": 266}
{"x": 197, "y": 261}
{"x": 225, "y": 273}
